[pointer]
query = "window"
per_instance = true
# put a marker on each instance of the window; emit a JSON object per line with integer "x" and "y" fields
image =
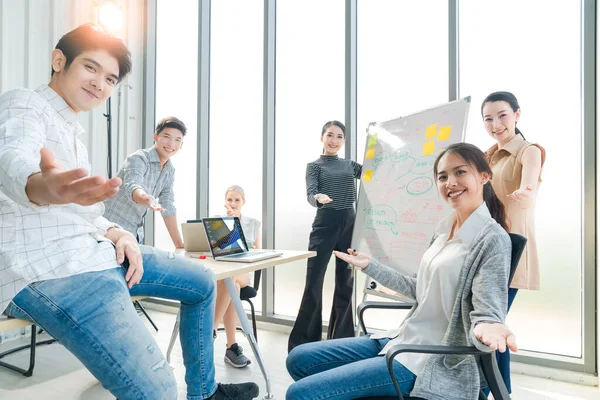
{"x": 176, "y": 73}
{"x": 236, "y": 125}
{"x": 402, "y": 69}
{"x": 541, "y": 66}
{"x": 309, "y": 92}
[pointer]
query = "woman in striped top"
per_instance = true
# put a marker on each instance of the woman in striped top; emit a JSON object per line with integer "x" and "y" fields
{"x": 331, "y": 188}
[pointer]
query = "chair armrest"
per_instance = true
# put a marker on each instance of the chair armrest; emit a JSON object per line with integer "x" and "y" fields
{"x": 385, "y": 305}
{"x": 486, "y": 359}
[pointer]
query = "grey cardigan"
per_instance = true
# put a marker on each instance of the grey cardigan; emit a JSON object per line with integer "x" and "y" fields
{"x": 481, "y": 296}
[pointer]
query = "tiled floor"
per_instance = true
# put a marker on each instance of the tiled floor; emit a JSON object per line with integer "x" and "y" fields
{"x": 59, "y": 375}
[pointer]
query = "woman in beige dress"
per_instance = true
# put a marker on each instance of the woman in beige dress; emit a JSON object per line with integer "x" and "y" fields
{"x": 517, "y": 166}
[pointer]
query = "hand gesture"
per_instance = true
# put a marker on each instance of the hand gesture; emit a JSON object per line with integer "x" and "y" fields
{"x": 56, "y": 185}
{"x": 231, "y": 212}
{"x": 127, "y": 247}
{"x": 150, "y": 202}
{"x": 323, "y": 198}
{"x": 521, "y": 193}
{"x": 355, "y": 258}
{"x": 495, "y": 335}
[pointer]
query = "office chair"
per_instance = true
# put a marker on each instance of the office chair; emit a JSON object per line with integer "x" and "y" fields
{"x": 486, "y": 360}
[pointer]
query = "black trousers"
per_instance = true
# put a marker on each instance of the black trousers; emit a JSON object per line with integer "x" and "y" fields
{"x": 331, "y": 230}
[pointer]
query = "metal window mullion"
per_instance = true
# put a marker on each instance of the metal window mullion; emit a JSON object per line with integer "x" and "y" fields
{"x": 453, "y": 56}
{"x": 203, "y": 116}
{"x": 350, "y": 77}
{"x": 149, "y": 96}
{"x": 268, "y": 206}
{"x": 588, "y": 85}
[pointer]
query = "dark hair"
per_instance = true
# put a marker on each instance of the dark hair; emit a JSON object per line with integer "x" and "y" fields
{"x": 170, "y": 122}
{"x": 472, "y": 155}
{"x": 507, "y": 97}
{"x": 333, "y": 123}
{"x": 93, "y": 37}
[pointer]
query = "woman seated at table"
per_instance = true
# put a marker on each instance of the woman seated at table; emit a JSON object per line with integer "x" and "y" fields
{"x": 460, "y": 293}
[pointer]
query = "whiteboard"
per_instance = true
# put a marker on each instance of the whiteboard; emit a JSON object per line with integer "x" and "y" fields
{"x": 398, "y": 204}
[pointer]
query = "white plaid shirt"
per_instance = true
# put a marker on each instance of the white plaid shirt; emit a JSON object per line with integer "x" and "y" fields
{"x": 43, "y": 242}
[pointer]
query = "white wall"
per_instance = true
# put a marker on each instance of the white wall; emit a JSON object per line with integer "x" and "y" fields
{"x": 29, "y": 30}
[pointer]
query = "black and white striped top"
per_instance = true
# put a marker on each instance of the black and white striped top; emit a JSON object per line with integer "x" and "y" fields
{"x": 334, "y": 177}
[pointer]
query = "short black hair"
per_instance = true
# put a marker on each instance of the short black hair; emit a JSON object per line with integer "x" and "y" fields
{"x": 170, "y": 122}
{"x": 94, "y": 37}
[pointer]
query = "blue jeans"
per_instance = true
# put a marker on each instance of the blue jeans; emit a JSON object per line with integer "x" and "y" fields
{"x": 92, "y": 315}
{"x": 347, "y": 368}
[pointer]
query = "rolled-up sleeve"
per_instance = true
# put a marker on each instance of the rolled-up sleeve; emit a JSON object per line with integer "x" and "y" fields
{"x": 104, "y": 225}
{"x": 22, "y": 135}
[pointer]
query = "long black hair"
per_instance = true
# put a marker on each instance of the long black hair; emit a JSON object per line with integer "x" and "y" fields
{"x": 507, "y": 97}
{"x": 472, "y": 155}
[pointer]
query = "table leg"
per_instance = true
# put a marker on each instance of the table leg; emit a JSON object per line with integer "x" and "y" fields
{"x": 173, "y": 337}
{"x": 239, "y": 308}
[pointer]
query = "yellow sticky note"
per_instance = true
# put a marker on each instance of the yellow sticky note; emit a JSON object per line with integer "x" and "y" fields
{"x": 370, "y": 153}
{"x": 444, "y": 133}
{"x": 428, "y": 148}
{"x": 372, "y": 140}
{"x": 368, "y": 175}
{"x": 431, "y": 131}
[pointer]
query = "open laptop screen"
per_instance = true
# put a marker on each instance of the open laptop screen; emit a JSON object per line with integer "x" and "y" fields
{"x": 225, "y": 236}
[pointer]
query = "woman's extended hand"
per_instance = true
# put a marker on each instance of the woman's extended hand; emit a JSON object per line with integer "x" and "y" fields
{"x": 497, "y": 336}
{"x": 522, "y": 193}
{"x": 355, "y": 258}
{"x": 323, "y": 198}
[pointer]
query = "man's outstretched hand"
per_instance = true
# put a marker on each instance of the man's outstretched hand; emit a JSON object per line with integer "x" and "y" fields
{"x": 56, "y": 185}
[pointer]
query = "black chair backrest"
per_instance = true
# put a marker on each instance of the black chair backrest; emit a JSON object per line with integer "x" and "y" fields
{"x": 518, "y": 245}
{"x": 257, "y": 279}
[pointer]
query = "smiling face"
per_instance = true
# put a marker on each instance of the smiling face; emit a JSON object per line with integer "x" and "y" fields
{"x": 460, "y": 184}
{"x": 235, "y": 200}
{"x": 88, "y": 81}
{"x": 333, "y": 139}
{"x": 500, "y": 120}
{"x": 168, "y": 142}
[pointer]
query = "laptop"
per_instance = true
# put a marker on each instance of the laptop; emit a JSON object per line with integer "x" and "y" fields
{"x": 227, "y": 241}
{"x": 194, "y": 237}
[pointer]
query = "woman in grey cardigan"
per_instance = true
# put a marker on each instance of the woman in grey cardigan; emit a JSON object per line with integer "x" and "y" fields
{"x": 460, "y": 293}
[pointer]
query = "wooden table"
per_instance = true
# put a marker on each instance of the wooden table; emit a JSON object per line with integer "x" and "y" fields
{"x": 227, "y": 270}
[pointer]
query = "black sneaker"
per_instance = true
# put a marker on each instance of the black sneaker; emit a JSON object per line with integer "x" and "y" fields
{"x": 235, "y": 391}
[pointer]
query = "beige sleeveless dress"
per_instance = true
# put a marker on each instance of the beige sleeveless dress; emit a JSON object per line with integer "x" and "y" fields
{"x": 507, "y": 169}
